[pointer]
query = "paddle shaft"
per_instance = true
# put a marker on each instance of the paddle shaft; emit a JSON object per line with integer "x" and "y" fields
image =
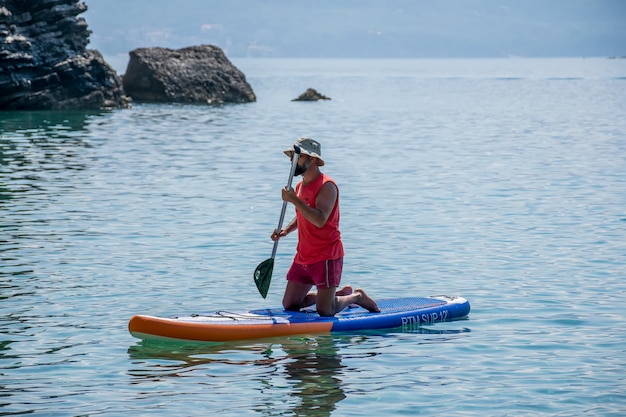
{"x": 294, "y": 163}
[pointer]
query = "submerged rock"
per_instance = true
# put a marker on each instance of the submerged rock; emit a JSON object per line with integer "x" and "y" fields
{"x": 197, "y": 74}
{"x": 44, "y": 63}
{"x": 311, "y": 95}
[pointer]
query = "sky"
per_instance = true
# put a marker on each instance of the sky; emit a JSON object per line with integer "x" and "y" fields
{"x": 361, "y": 28}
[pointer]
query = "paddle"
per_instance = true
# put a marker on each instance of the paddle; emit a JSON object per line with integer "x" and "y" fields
{"x": 263, "y": 272}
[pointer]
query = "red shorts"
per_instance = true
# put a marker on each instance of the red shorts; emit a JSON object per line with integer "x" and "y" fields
{"x": 324, "y": 274}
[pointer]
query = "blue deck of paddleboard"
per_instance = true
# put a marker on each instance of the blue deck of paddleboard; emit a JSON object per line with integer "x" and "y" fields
{"x": 397, "y": 312}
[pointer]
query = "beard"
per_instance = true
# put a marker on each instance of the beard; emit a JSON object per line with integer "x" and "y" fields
{"x": 301, "y": 169}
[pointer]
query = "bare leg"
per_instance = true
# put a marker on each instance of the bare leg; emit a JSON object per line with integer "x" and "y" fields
{"x": 347, "y": 290}
{"x": 311, "y": 297}
{"x": 295, "y": 295}
{"x": 366, "y": 301}
{"x": 329, "y": 304}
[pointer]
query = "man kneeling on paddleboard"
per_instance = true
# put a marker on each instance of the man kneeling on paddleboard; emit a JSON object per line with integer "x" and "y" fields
{"x": 319, "y": 253}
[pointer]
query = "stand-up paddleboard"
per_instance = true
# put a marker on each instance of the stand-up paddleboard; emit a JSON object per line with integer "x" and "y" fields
{"x": 408, "y": 313}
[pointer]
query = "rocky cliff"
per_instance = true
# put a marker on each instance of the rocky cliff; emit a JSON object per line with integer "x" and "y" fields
{"x": 197, "y": 74}
{"x": 44, "y": 63}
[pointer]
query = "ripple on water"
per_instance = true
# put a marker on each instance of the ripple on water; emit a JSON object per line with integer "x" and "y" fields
{"x": 505, "y": 185}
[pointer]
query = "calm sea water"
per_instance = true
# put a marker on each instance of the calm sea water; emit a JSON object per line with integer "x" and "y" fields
{"x": 500, "y": 180}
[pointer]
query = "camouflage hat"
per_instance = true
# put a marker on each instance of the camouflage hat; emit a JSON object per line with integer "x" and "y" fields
{"x": 309, "y": 147}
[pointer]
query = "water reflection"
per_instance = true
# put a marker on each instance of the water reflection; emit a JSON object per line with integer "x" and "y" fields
{"x": 36, "y": 141}
{"x": 301, "y": 376}
{"x": 310, "y": 366}
{"x": 40, "y": 152}
{"x": 13, "y": 121}
{"x": 314, "y": 369}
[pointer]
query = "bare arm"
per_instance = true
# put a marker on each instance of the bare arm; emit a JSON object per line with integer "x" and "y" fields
{"x": 293, "y": 225}
{"x": 324, "y": 204}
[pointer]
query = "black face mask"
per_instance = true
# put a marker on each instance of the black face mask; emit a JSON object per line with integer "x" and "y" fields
{"x": 301, "y": 169}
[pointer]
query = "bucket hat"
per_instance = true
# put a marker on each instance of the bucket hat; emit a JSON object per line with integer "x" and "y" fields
{"x": 309, "y": 147}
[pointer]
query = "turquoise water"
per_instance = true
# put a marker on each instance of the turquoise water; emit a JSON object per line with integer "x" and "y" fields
{"x": 503, "y": 181}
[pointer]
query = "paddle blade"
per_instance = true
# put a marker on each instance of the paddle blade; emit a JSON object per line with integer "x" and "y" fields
{"x": 263, "y": 276}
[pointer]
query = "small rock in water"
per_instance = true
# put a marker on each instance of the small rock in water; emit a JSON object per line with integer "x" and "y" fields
{"x": 311, "y": 95}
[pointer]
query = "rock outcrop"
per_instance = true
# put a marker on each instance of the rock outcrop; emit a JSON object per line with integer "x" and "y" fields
{"x": 44, "y": 63}
{"x": 311, "y": 95}
{"x": 197, "y": 74}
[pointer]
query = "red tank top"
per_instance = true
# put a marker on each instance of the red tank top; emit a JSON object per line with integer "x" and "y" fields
{"x": 317, "y": 244}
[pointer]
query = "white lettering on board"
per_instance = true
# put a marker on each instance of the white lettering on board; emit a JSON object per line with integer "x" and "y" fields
{"x": 410, "y": 323}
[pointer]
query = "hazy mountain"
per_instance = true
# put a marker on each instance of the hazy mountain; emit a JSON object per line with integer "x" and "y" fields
{"x": 363, "y": 28}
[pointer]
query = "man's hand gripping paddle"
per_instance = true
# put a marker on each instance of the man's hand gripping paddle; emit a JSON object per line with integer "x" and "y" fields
{"x": 263, "y": 272}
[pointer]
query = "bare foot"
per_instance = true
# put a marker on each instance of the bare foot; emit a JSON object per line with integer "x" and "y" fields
{"x": 366, "y": 302}
{"x": 347, "y": 290}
